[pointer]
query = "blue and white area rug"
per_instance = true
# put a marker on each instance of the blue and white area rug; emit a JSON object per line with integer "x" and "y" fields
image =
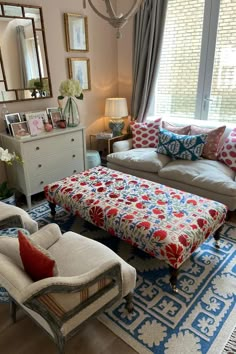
{"x": 199, "y": 319}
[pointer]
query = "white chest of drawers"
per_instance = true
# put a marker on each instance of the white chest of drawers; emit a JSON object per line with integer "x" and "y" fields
{"x": 47, "y": 157}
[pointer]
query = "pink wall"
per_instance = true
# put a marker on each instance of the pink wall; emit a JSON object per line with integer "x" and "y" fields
{"x": 103, "y": 55}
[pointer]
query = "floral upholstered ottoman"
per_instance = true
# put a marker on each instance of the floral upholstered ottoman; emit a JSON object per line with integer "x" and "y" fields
{"x": 166, "y": 223}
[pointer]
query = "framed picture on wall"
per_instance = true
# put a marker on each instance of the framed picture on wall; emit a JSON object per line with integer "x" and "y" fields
{"x": 76, "y": 28}
{"x": 79, "y": 69}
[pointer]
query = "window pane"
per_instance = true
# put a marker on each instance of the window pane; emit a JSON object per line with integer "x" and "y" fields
{"x": 177, "y": 82}
{"x": 223, "y": 89}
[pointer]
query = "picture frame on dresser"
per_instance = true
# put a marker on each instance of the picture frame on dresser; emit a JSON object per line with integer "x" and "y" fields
{"x": 55, "y": 116}
{"x": 36, "y": 121}
{"x": 20, "y": 130}
{"x": 11, "y": 118}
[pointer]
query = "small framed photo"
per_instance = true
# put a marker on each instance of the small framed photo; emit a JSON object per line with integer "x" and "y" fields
{"x": 79, "y": 69}
{"x": 76, "y": 28}
{"x": 11, "y": 118}
{"x": 55, "y": 116}
{"x": 52, "y": 109}
{"x": 35, "y": 121}
{"x": 20, "y": 130}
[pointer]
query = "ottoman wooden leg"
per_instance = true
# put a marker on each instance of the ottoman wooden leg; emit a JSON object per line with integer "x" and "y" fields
{"x": 173, "y": 279}
{"x": 129, "y": 302}
{"x": 217, "y": 236}
{"x": 53, "y": 209}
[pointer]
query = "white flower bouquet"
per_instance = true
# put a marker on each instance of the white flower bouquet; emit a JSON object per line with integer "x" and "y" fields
{"x": 8, "y": 158}
{"x": 70, "y": 88}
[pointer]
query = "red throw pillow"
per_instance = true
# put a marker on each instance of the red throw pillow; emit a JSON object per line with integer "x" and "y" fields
{"x": 211, "y": 146}
{"x": 145, "y": 134}
{"x": 176, "y": 129}
{"x": 36, "y": 261}
{"x": 227, "y": 153}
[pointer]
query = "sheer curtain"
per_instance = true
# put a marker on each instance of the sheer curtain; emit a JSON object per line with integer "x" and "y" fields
{"x": 148, "y": 32}
{"x": 25, "y": 67}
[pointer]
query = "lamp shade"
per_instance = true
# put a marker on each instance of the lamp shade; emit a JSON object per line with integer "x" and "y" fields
{"x": 116, "y": 108}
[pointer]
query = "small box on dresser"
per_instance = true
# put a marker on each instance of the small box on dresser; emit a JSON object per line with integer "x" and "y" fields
{"x": 47, "y": 157}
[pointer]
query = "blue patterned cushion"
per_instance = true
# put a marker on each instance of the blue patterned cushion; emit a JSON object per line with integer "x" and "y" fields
{"x": 13, "y": 232}
{"x": 185, "y": 147}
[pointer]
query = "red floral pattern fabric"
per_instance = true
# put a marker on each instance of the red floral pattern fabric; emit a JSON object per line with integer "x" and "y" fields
{"x": 145, "y": 134}
{"x": 167, "y": 223}
{"x": 227, "y": 153}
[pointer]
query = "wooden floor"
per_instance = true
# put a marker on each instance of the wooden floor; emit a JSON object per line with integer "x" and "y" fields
{"x": 24, "y": 337}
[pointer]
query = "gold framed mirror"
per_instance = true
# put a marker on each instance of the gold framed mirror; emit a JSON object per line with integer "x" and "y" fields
{"x": 24, "y": 67}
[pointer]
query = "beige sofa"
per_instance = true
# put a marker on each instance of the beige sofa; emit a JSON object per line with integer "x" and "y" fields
{"x": 208, "y": 178}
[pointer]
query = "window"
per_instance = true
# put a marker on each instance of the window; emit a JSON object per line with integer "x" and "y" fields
{"x": 197, "y": 72}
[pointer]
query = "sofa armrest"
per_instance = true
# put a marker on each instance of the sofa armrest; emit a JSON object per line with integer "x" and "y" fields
{"x": 11, "y": 221}
{"x": 62, "y": 298}
{"x": 47, "y": 236}
{"x": 66, "y": 284}
{"x": 7, "y": 210}
{"x": 123, "y": 145}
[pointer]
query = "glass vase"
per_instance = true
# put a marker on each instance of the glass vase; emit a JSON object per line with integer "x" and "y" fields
{"x": 71, "y": 113}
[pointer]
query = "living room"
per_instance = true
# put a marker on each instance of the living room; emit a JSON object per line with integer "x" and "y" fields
{"x": 110, "y": 74}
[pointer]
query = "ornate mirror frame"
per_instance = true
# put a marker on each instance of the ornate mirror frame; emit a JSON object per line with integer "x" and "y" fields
{"x": 37, "y": 83}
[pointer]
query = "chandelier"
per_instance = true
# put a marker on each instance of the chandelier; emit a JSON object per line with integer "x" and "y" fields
{"x": 117, "y": 21}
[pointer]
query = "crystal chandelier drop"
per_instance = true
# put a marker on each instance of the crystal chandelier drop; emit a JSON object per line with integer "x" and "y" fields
{"x": 117, "y": 21}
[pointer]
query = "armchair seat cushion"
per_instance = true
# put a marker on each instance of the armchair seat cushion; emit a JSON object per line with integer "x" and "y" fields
{"x": 84, "y": 254}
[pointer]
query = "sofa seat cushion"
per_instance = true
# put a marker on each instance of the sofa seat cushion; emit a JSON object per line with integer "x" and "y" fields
{"x": 144, "y": 159}
{"x": 207, "y": 174}
{"x": 76, "y": 248}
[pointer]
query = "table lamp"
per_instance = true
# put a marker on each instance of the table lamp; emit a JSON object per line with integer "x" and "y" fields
{"x": 116, "y": 109}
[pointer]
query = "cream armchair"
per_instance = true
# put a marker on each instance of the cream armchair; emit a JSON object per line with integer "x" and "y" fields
{"x": 91, "y": 278}
{"x": 22, "y": 219}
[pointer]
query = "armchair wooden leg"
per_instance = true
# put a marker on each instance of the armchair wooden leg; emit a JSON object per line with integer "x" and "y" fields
{"x": 217, "y": 236}
{"x": 129, "y": 302}
{"x": 61, "y": 345}
{"x": 13, "y": 308}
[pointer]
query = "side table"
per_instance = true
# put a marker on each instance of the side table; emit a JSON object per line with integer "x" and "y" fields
{"x": 109, "y": 141}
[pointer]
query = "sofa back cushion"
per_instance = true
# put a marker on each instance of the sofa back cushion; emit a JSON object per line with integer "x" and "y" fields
{"x": 211, "y": 147}
{"x": 145, "y": 134}
{"x": 176, "y": 129}
{"x": 186, "y": 147}
{"x": 227, "y": 153}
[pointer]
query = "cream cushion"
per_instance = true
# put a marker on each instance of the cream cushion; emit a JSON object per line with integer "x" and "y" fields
{"x": 213, "y": 175}
{"x": 84, "y": 254}
{"x": 144, "y": 159}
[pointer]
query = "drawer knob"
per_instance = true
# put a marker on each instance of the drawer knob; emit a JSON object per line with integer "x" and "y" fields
{"x": 73, "y": 155}
{"x": 74, "y": 171}
{"x": 72, "y": 139}
{"x": 37, "y": 148}
{"x": 39, "y": 165}
{"x": 42, "y": 182}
